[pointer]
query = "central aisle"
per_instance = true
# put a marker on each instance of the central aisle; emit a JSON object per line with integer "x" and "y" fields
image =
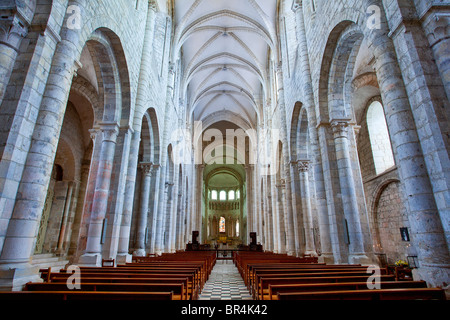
{"x": 225, "y": 283}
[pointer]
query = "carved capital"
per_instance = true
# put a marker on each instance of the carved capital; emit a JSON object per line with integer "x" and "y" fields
{"x": 304, "y": 165}
{"x": 152, "y": 5}
{"x": 146, "y": 168}
{"x": 13, "y": 30}
{"x": 296, "y": 5}
{"x": 93, "y": 134}
{"x": 340, "y": 128}
{"x": 110, "y": 131}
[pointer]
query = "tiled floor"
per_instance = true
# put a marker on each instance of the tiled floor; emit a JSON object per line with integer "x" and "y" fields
{"x": 225, "y": 283}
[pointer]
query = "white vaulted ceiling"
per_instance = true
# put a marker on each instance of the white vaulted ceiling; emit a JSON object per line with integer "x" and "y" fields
{"x": 224, "y": 46}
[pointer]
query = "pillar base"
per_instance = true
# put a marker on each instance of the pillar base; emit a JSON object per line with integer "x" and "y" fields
{"x": 123, "y": 258}
{"x": 326, "y": 258}
{"x": 359, "y": 258}
{"x": 90, "y": 260}
{"x": 139, "y": 253}
{"x": 14, "y": 277}
{"x": 311, "y": 253}
{"x": 436, "y": 277}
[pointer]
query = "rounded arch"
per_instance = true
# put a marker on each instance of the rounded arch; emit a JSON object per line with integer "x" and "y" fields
{"x": 111, "y": 69}
{"x": 299, "y": 133}
{"x": 342, "y": 45}
{"x": 150, "y": 139}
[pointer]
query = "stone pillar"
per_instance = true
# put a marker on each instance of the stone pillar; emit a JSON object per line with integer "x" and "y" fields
{"x": 303, "y": 166}
{"x": 426, "y": 227}
{"x": 141, "y": 105}
{"x": 76, "y": 226}
{"x": 19, "y": 241}
{"x": 249, "y": 171}
{"x": 435, "y": 21}
{"x": 173, "y": 211}
{"x": 146, "y": 169}
{"x": 426, "y": 91}
{"x": 93, "y": 254}
{"x": 154, "y": 188}
{"x": 198, "y": 199}
{"x": 348, "y": 193}
{"x": 20, "y": 237}
{"x": 297, "y": 216}
{"x": 289, "y": 205}
{"x": 66, "y": 213}
{"x": 159, "y": 213}
{"x": 14, "y": 29}
{"x": 268, "y": 224}
{"x": 316, "y": 165}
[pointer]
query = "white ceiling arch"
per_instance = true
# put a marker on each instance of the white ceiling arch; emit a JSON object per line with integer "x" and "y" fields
{"x": 225, "y": 48}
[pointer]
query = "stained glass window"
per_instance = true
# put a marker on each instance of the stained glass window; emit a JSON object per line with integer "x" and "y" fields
{"x": 214, "y": 195}
{"x": 222, "y": 224}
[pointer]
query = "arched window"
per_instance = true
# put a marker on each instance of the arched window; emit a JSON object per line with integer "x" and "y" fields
{"x": 222, "y": 195}
{"x": 237, "y": 228}
{"x": 238, "y": 195}
{"x": 379, "y": 138}
{"x": 214, "y": 195}
{"x": 222, "y": 224}
{"x": 231, "y": 195}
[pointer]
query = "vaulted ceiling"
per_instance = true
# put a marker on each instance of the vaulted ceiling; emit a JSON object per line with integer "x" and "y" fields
{"x": 225, "y": 48}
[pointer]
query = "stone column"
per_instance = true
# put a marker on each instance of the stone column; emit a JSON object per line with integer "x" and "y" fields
{"x": 173, "y": 211}
{"x": 155, "y": 189}
{"x": 67, "y": 209}
{"x": 426, "y": 226}
{"x": 146, "y": 169}
{"x": 249, "y": 171}
{"x": 297, "y": 216}
{"x": 435, "y": 21}
{"x": 93, "y": 254}
{"x": 198, "y": 199}
{"x": 426, "y": 91}
{"x": 289, "y": 205}
{"x": 303, "y": 166}
{"x": 268, "y": 224}
{"x": 141, "y": 105}
{"x": 282, "y": 237}
{"x": 348, "y": 194}
{"x": 21, "y": 234}
{"x": 14, "y": 29}
{"x": 316, "y": 165}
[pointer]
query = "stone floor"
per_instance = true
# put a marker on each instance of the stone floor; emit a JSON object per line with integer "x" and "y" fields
{"x": 225, "y": 283}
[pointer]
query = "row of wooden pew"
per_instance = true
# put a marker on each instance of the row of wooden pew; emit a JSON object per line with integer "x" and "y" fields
{"x": 177, "y": 276}
{"x": 271, "y": 276}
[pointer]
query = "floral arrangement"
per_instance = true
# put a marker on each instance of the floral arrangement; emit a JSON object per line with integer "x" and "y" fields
{"x": 401, "y": 263}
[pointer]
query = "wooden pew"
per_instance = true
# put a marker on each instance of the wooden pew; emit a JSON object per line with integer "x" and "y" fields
{"x": 260, "y": 269}
{"x": 375, "y": 294}
{"x": 199, "y": 281}
{"x": 178, "y": 289}
{"x": 83, "y": 295}
{"x": 257, "y": 289}
{"x": 203, "y": 273}
{"x": 192, "y": 288}
{"x": 184, "y": 281}
{"x": 274, "y": 289}
{"x": 266, "y": 281}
